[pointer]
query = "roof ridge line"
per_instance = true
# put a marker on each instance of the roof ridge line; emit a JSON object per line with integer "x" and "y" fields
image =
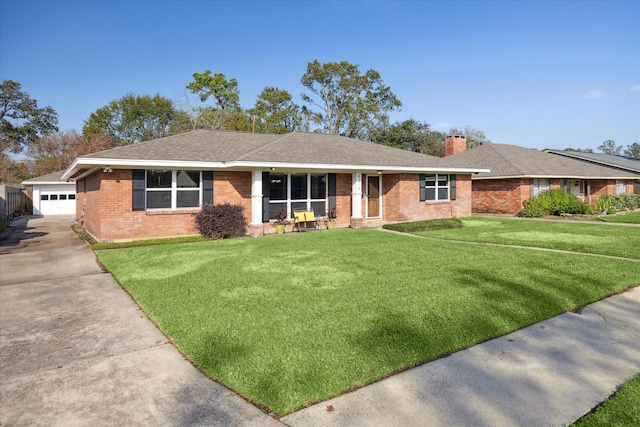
{"x": 258, "y": 149}
{"x": 140, "y": 142}
{"x": 507, "y": 160}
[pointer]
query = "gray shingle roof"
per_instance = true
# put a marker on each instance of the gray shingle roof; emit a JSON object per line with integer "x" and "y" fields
{"x": 512, "y": 161}
{"x": 50, "y": 177}
{"x": 626, "y": 163}
{"x": 296, "y": 147}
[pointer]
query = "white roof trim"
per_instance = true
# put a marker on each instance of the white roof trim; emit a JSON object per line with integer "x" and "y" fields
{"x": 553, "y": 177}
{"x": 176, "y": 164}
{"x": 31, "y": 182}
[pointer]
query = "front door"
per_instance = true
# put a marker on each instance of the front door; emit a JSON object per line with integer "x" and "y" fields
{"x": 373, "y": 196}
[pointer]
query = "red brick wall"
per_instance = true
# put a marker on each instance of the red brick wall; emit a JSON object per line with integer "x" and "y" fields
{"x": 343, "y": 199}
{"x": 402, "y": 199}
{"x": 499, "y": 195}
{"x": 91, "y": 203}
{"x": 602, "y": 188}
{"x": 506, "y": 195}
{"x": 234, "y": 188}
{"x": 106, "y": 200}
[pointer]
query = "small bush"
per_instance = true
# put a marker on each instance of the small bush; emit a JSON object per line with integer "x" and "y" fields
{"x": 222, "y": 220}
{"x": 434, "y": 224}
{"x": 554, "y": 202}
{"x": 617, "y": 203}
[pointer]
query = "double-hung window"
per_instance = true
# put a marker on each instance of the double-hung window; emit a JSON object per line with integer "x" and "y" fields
{"x": 436, "y": 187}
{"x": 167, "y": 189}
{"x": 538, "y": 186}
{"x": 619, "y": 186}
{"x": 297, "y": 192}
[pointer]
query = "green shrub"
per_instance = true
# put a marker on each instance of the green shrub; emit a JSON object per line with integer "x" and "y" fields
{"x": 554, "y": 202}
{"x": 222, "y": 220}
{"x": 533, "y": 211}
{"x": 430, "y": 225}
{"x": 619, "y": 202}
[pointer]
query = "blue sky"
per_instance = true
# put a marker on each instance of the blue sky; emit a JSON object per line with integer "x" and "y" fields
{"x": 535, "y": 74}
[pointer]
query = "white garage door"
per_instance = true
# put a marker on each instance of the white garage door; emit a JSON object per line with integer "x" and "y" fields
{"x": 59, "y": 200}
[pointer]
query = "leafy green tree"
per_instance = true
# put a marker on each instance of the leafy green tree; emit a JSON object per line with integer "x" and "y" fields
{"x": 21, "y": 120}
{"x": 633, "y": 151}
{"x": 474, "y": 136}
{"x": 224, "y": 91}
{"x": 276, "y": 112}
{"x": 609, "y": 147}
{"x": 347, "y": 102}
{"x": 132, "y": 119}
{"x": 411, "y": 135}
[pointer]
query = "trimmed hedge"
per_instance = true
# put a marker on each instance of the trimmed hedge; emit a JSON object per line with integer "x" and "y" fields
{"x": 554, "y": 202}
{"x": 430, "y": 225}
{"x": 222, "y": 220}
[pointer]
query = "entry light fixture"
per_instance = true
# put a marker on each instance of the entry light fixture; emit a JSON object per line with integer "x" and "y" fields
{"x": 272, "y": 169}
{"x": 379, "y": 172}
{"x": 107, "y": 169}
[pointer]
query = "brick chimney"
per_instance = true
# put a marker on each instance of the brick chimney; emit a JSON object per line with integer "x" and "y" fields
{"x": 454, "y": 144}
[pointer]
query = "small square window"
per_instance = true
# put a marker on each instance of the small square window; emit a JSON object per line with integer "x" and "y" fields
{"x": 54, "y": 197}
{"x": 72, "y": 196}
{"x": 63, "y": 197}
{"x": 44, "y": 197}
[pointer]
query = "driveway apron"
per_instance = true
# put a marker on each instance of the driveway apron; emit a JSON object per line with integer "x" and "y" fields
{"x": 75, "y": 349}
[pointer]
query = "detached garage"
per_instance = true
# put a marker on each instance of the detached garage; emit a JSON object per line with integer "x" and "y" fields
{"x": 52, "y": 195}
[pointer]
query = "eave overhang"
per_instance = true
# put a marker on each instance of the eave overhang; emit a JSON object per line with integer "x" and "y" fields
{"x": 477, "y": 178}
{"x": 82, "y": 167}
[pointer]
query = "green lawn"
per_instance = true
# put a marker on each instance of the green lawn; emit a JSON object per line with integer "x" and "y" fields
{"x": 587, "y": 238}
{"x": 290, "y": 320}
{"x": 632, "y": 218}
{"x": 620, "y": 410}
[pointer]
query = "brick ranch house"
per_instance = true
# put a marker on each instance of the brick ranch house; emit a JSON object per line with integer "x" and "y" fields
{"x": 618, "y": 162}
{"x": 517, "y": 174}
{"x": 154, "y": 188}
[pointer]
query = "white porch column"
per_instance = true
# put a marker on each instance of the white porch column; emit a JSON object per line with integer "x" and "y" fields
{"x": 356, "y": 195}
{"x": 256, "y": 197}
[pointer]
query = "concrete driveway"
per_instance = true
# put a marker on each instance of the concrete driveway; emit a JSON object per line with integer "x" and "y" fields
{"x": 76, "y": 350}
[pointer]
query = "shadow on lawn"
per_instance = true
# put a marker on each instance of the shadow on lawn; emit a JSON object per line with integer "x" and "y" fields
{"x": 516, "y": 377}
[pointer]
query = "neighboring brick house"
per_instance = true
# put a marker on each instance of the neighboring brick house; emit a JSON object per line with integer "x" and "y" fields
{"x": 519, "y": 173}
{"x": 618, "y": 162}
{"x": 154, "y": 188}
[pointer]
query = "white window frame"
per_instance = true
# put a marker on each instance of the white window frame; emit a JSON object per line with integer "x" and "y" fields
{"x": 619, "y": 187}
{"x": 174, "y": 189}
{"x": 308, "y": 200}
{"x": 539, "y": 185}
{"x": 437, "y": 187}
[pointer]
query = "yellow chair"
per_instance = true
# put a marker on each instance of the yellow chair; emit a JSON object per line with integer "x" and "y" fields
{"x": 304, "y": 221}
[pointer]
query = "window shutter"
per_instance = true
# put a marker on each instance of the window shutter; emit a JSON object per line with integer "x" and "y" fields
{"x": 452, "y": 179}
{"x": 138, "y": 189}
{"x": 423, "y": 191}
{"x": 207, "y": 187}
{"x": 332, "y": 190}
{"x": 266, "y": 184}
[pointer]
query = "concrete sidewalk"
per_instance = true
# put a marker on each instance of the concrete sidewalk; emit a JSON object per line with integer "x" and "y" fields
{"x": 548, "y": 374}
{"x": 75, "y": 350}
